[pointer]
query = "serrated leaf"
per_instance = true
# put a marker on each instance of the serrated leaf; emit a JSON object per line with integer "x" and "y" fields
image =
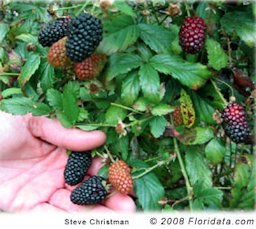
{"x": 156, "y": 37}
{"x": 54, "y": 98}
{"x": 242, "y": 175}
{"x": 46, "y": 73}
{"x": 206, "y": 197}
{"x": 70, "y": 107}
{"x": 63, "y": 119}
{"x": 157, "y": 126}
{"x": 22, "y": 106}
{"x": 197, "y": 169}
{"x": 187, "y": 109}
{"x": 124, "y": 8}
{"x": 11, "y": 91}
{"x": 26, "y": 37}
{"x": 130, "y": 89}
{"x": 141, "y": 104}
{"x": 31, "y": 65}
{"x": 148, "y": 188}
{"x": 87, "y": 127}
{"x": 121, "y": 33}
{"x": 192, "y": 75}
{"x": 218, "y": 59}
{"x": 73, "y": 88}
{"x": 215, "y": 151}
{"x": 114, "y": 114}
{"x": 4, "y": 28}
{"x": 150, "y": 83}
{"x": 196, "y": 136}
{"x": 242, "y": 23}
{"x": 121, "y": 63}
{"x": 162, "y": 109}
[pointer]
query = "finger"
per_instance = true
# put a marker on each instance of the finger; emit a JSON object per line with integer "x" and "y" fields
{"x": 44, "y": 207}
{"x": 101, "y": 209}
{"x": 97, "y": 164}
{"x": 53, "y": 132}
{"x": 121, "y": 203}
{"x": 61, "y": 199}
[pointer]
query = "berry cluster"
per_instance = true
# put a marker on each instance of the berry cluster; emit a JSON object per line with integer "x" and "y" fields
{"x": 91, "y": 191}
{"x": 192, "y": 34}
{"x": 54, "y": 31}
{"x": 74, "y": 40}
{"x": 57, "y": 54}
{"x": 235, "y": 122}
{"x": 84, "y": 37}
{"x": 91, "y": 67}
{"x": 119, "y": 175}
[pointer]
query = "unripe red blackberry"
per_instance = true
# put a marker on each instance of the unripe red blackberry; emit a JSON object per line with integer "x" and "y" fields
{"x": 91, "y": 67}
{"x": 192, "y": 34}
{"x": 235, "y": 122}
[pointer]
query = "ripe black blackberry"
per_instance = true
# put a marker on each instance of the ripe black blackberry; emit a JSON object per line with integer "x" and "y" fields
{"x": 91, "y": 191}
{"x": 77, "y": 167}
{"x": 235, "y": 123}
{"x": 54, "y": 31}
{"x": 84, "y": 37}
{"x": 192, "y": 34}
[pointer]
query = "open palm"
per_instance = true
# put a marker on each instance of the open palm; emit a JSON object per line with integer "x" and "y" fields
{"x": 32, "y": 160}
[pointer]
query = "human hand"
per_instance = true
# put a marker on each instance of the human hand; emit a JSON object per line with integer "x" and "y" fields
{"x": 32, "y": 161}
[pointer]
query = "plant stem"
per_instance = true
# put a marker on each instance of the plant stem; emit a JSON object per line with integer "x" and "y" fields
{"x": 109, "y": 154}
{"x": 126, "y": 108}
{"x": 179, "y": 201}
{"x": 161, "y": 22}
{"x": 160, "y": 163}
{"x": 82, "y": 8}
{"x": 187, "y": 8}
{"x": 9, "y": 74}
{"x": 69, "y": 7}
{"x": 184, "y": 173}
{"x": 218, "y": 92}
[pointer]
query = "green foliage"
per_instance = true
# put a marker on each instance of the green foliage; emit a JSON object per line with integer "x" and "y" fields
{"x": 146, "y": 77}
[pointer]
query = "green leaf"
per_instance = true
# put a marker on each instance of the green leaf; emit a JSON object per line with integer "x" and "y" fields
{"x": 130, "y": 88}
{"x": 87, "y": 127}
{"x": 196, "y": 136}
{"x": 148, "y": 188}
{"x": 31, "y": 65}
{"x": 121, "y": 33}
{"x": 157, "y": 126}
{"x": 192, "y": 75}
{"x": 162, "y": 109}
{"x": 70, "y": 108}
{"x": 103, "y": 171}
{"x": 206, "y": 197}
{"x": 242, "y": 175}
{"x": 121, "y": 146}
{"x": 124, "y": 8}
{"x": 73, "y": 88}
{"x": 121, "y": 63}
{"x": 11, "y": 91}
{"x": 54, "y": 98}
{"x": 141, "y": 104}
{"x": 156, "y": 37}
{"x": 63, "y": 119}
{"x": 218, "y": 59}
{"x": 114, "y": 114}
{"x": 22, "y": 106}
{"x": 150, "y": 83}
{"x": 26, "y": 37}
{"x": 46, "y": 73}
{"x": 242, "y": 23}
{"x": 204, "y": 110}
{"x": 197, "y": 169}
{"x": 215, "y": 151}
{"x": 4, "y": 28}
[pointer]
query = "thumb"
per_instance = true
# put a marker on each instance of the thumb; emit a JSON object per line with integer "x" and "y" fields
{"x": 74, "y": 139}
